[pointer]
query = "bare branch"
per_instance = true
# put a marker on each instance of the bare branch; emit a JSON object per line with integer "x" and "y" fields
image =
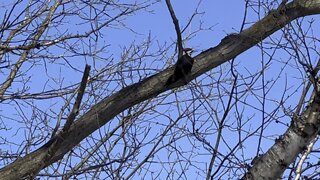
{"x": 176, "y": 26}
{"x": 23, "y": 58}
{"x": 303, "y": 158}
{"x": 205, "y": 128}
{"x": 75, "y": 110}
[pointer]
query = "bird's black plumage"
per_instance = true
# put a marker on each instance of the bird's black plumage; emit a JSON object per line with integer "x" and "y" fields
{"x": 182, "y": 67}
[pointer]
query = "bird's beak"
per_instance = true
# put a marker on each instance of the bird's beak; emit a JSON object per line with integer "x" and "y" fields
{"x": 192, "y": 51}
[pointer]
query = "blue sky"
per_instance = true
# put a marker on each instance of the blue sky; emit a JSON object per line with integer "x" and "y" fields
{"x": 223, "y": 17}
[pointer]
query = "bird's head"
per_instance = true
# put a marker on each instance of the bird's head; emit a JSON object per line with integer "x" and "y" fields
{"x": 187, "y": 51}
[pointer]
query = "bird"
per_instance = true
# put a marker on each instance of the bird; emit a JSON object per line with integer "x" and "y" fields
{"x": 182, "y": 67}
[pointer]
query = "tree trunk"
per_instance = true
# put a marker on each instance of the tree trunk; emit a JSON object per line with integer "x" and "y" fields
{"x": 231, "y": 46}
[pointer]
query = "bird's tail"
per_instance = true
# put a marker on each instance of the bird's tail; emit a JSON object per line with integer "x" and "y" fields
{"x": 171, "y": 80}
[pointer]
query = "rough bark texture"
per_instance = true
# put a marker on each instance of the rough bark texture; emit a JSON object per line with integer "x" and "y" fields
{"x": 229, "y": 48}
{"x": 302, "y": 130}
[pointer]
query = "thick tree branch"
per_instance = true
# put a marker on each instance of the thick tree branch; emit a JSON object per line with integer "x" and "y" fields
{"x": 108, "y": 108}
{"x": 53, "y": 145}
{"x": 76, "y": 106}
{"x": 302, "y": 131}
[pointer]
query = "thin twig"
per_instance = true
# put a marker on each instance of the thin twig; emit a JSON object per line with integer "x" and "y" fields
{"x": 303, "y": 158}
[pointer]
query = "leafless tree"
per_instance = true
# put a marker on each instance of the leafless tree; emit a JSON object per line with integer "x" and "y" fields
{"x": 72, "y": 107}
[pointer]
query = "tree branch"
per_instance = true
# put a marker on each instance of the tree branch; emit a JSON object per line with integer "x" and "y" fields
{"x": 302, "y": 131}
{"x": 41, "y": 29}
{"x": 176, "y": 25}
{"x": 303, "y": 158}
{"x": 104, "y": 111}
{"x": 76, "y": 106}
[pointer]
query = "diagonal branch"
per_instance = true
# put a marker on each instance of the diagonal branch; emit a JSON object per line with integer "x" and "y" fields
{"x": 104, "y": 111}
{"x": 176, "y": 26}
{"x": 76, "y": 106}
{"x": 53, "y": 145}
{"x": 303, "y": 158}
{"x": 302, "y": 131}
{"x": 44, "y": 25}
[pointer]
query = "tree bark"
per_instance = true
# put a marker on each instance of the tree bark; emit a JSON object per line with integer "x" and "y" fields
{"x": 108, "y": 108}
{"x": 302, "y": 131}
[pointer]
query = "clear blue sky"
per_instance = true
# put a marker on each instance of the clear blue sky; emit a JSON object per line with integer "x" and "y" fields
{"x": 224, "y": 17}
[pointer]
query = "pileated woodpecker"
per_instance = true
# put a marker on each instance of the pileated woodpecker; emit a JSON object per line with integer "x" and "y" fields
{"x": 182, "y": 67}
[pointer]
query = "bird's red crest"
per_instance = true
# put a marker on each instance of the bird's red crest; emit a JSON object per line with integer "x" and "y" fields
{"x": 187, "y": 49}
